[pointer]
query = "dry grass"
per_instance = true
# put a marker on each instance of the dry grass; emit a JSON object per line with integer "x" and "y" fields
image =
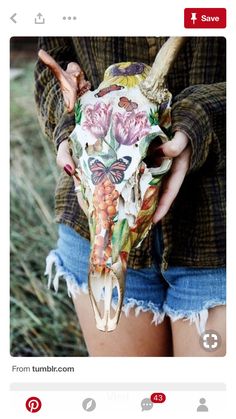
{"x": 42, "y": 324}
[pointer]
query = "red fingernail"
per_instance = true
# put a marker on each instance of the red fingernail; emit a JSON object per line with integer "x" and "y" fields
{"x": 68, "y": 169}
{"x": 159, "y": 152}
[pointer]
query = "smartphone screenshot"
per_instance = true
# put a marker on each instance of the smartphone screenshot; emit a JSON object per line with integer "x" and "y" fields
{"x": 118, "y": 292}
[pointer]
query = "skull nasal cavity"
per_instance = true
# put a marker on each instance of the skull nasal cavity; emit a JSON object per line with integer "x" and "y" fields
{"x": 152, "y": 159}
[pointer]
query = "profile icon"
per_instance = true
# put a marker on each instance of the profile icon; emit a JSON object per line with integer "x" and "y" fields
{"x": 202, "y": 407}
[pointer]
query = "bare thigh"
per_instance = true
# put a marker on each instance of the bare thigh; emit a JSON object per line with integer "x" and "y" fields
{"x": 186, "y": 337}
{"x": 134, "y": 336}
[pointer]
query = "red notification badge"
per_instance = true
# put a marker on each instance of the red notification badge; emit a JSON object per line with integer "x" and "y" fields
{"x": 158, "y": 397}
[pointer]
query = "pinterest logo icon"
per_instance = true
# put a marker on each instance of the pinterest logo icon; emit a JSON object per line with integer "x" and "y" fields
{"x": 33, "y": 404}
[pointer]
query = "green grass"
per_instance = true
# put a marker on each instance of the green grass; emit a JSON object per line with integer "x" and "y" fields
{"x": 42, "y": 323}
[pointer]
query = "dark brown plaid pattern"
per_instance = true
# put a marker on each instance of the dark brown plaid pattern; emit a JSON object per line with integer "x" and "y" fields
{"x": 194, "y": 229}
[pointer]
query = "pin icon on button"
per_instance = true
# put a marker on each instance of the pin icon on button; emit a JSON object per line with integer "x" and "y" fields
{"x": 33, "y": 404}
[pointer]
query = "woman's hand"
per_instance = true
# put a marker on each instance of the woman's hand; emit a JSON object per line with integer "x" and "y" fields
{"x": 64, "y": 159}
{"x": 72, "y": 81}
{"x": 180, "y": 150}
{"x": 65, "y": 162}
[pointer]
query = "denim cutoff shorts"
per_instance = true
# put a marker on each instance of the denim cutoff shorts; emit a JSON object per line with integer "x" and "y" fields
{"x": 179, "y": 292}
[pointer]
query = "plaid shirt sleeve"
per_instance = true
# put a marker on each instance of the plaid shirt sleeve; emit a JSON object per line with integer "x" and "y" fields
{"x": 54, "y": 119}
{"x": 199, "y": 111}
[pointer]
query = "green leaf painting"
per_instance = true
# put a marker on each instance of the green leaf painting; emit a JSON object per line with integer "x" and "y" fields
{"x": 113, "y": 143}
{"x": 86, "y": 170}
{"x": 155, "y": 180}
{"x": 78, "y": 112}
{"x": 120, "y": 238}
{"x": 153, "y": 117}
{"x": 77, "y": 149}
{"x": 110, "y": 156}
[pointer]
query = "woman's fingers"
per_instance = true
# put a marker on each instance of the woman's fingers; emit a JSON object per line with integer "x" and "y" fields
{"x": 174, "y": 147}
{"x": 68, "y": 84}
{"x": 72, "y": 81}
{"x": 65, "y": 162}
{"x": 64, "y": 159}
{"x": 51, "y": 63}
{"x": 180, "y": 151}
{"x": 172, "y": 184}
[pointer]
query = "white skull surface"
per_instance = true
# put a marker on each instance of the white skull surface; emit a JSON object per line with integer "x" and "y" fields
{"x": 118, "y": 127}
{"x": 115, "y": 126}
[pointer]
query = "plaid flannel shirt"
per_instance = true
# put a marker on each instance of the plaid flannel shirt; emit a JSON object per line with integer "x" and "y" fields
{"x": 193, "y": 231}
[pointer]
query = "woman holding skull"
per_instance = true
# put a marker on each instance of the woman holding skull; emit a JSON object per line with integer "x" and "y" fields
{"x": 177, "y": 273}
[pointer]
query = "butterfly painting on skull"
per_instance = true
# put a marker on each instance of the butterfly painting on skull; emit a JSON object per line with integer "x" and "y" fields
{"x": 114, "y": 172}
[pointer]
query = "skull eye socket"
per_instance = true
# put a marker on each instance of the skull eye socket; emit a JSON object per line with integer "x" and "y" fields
{"x": 152, "y": 159}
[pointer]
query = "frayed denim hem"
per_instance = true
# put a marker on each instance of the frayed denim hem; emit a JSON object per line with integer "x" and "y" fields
{"x": 141, "y": 306}
{"x": 199, "y": 318}
{"x": 54, "y": 262}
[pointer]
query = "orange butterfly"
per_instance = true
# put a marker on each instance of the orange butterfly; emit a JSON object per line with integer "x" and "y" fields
{"x": 126, "y": 103}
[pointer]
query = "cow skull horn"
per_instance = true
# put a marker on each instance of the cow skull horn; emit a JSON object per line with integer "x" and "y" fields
{"x": 154, "y": 86}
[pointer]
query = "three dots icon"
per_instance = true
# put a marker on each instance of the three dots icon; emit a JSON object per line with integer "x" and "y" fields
{"x": 69, "y": 17}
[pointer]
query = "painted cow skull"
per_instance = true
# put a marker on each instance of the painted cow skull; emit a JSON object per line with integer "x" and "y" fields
{"x": 118, "y": 127}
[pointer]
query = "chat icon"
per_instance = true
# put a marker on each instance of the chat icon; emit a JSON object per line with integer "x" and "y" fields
{"x": 146, "y": 404}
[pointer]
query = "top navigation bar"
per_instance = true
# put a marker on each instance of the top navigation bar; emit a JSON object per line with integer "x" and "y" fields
{"x": 191, "y": 18}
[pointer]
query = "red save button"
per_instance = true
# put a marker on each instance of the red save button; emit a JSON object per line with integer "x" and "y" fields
{"x": 207, "y": 18}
